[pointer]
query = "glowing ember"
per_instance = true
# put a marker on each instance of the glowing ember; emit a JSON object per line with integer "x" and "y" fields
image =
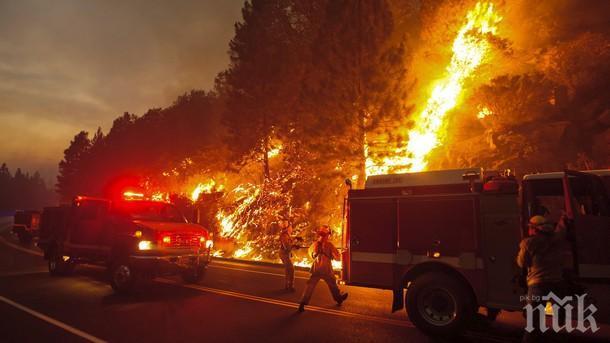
{"x": 243, "y": 252}
{"x": 160, "y": 196}
{"x": 470, "y": 48}
{"x": 245, "y": 195}
{"x": 274, "y": 152}
{"x": 484, "y": 112}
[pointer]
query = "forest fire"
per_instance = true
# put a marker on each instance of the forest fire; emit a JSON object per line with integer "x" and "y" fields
{"x": 206, "y": 187}
{"x": 470, "y": 49}
{"x": 251, "y": 204}
{"x": 412, "y": 89}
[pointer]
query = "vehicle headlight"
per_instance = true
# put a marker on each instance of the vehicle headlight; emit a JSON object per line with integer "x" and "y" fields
{"x": 209, "y": 243}
{"x": 145, "y": 245}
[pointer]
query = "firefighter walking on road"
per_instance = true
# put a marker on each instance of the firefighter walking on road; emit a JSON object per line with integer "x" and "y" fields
{"x": 286, "y": 247}
{"x": 542, "y": 256}
{"x": 322, "y": 252}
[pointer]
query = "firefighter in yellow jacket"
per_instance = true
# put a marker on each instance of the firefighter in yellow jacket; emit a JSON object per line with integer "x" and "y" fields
{"x": 285, "y": 253}
{"x": 322, "y": 252}
{"x": 546, "y": 257}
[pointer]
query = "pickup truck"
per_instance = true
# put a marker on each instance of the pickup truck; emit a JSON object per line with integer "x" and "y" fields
{"x": 135, "y": 239}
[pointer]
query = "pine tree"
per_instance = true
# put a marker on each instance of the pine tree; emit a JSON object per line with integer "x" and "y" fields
{"x": 5, "y": 187}
{"x": 69, "y": 181}
{"x": 355, "y": 81}
{"x": 263, "y": 79}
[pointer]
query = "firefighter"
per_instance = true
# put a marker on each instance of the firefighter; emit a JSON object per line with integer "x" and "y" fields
{"x": 322, "y": 252}
{"x": 542, "y": 258}
{"x": 286, "y": 247}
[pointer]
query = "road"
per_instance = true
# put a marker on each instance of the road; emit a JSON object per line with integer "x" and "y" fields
{"x": 236, "y": 302}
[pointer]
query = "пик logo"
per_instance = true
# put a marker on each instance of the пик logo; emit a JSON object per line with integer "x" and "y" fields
{"x": 565, "y": 306}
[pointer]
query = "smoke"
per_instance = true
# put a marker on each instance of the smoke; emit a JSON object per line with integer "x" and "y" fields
{"x": 71, "y": 65}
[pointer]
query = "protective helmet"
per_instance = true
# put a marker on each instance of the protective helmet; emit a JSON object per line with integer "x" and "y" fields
{"x": 541, "y": 224}
{"x": 324, "y": 230}
{"x": 537, "y": 220}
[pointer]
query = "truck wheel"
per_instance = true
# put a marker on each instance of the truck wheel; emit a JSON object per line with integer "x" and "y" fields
{"x": 122, "y": 277}
{"x": 57, "y": 265}
{"x": 193, "y": 275}
{"x": 439, "y": 304}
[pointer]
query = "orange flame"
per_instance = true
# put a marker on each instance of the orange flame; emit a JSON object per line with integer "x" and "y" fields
{"x": 469, "y": 51}
{"x": 207, "y": 187}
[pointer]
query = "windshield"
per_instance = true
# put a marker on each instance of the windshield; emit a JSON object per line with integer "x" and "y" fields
{"x": 150, "y": 211}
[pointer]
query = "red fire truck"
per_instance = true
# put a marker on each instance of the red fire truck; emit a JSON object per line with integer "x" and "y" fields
{"x": 450, "y": 238}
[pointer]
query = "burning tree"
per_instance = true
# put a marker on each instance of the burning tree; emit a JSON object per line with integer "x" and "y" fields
{"x": 317, "y": 91}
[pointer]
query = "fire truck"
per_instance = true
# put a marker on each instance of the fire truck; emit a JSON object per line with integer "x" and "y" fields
{"x": 135, "y": 238}
{"x": 450, "y": 239}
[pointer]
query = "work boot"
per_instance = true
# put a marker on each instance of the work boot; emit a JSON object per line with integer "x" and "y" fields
{"x": 301, "y": 307}
{"x": 343, "y": 297}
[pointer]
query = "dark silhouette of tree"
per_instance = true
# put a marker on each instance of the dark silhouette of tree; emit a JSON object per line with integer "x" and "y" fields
{"x": 5, "y": 187}
{"x": 264, "y": 77}
{"x": 70, "y": 178}
{"x": 23, "y": 191}
{"x": 355, "y": 80}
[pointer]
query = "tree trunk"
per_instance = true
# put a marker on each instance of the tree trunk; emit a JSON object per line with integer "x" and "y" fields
{"x": 265, "y": 148}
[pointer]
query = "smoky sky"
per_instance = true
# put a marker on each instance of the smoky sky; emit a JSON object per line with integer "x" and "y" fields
{"x": 71, "y": 65}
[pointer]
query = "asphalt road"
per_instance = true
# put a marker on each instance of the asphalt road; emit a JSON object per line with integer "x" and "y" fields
{"x": 235, "y": 302}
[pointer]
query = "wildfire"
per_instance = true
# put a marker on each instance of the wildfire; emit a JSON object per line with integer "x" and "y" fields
{"x": 306, "y": 263}
{"x": 470, "y": 49}
{"x": 484, "y": 112}
{"x": 207, "y": 187}
{"x": 245, "y": 195}
{"x": 160, "y": 196}
{"x": 275, "y": 151}
{"x": 243, "y": 251}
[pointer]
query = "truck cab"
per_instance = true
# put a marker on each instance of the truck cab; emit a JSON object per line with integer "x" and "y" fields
{"x": 450, "y": 238}
{"x": 134, "y": 239}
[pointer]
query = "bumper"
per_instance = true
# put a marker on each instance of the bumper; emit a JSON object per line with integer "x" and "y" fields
{"x": 169, "y": 264}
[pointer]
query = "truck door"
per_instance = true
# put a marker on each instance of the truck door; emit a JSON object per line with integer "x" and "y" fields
{"x": 87, "y": 227}
{"x": 372, "y": 241}
{"x": 586, "y": 203}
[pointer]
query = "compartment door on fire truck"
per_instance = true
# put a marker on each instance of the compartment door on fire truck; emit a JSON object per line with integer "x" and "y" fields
{"x": 500, "y": 236}
{"x": 372, "y": 241}
{"x": 587, "y": 204}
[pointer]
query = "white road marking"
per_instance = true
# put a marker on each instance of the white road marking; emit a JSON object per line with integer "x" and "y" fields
{"x": 20, "y": 248}
{"x": 274, "y": 301}
{"x": 52, "y": 321}
{"x": 291, "y": 304}
{"x": 215, "y": 265}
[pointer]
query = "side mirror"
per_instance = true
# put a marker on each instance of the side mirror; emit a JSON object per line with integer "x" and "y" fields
{"x": 348, "y": 183}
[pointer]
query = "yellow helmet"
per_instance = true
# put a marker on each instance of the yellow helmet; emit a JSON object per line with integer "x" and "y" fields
{"x": 537, "y": 220}
{"x": 540, "y": 223}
